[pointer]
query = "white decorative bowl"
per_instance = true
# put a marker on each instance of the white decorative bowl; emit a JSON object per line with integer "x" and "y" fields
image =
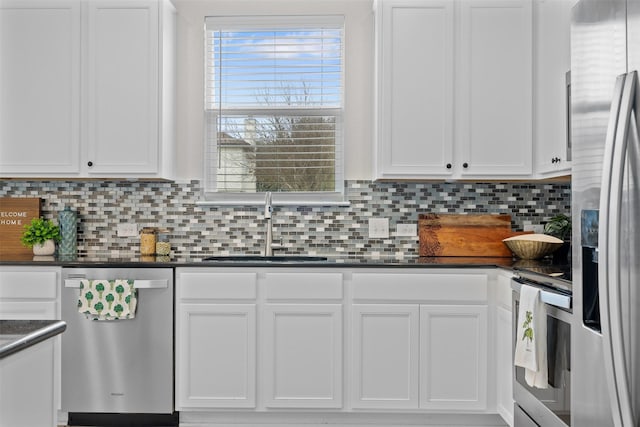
{"x": 532, "y": 246}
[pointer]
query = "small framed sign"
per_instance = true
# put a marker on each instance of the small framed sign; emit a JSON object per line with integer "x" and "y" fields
{"x": 15, "y": 213}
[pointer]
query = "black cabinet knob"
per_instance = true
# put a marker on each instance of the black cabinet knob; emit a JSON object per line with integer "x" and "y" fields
{"x": 89, "y": 164}
{"x": 448, "y": 165}
{"x": 465, "y": 165}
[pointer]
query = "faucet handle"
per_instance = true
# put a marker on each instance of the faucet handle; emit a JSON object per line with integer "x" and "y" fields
{"x": 268, "y": 208}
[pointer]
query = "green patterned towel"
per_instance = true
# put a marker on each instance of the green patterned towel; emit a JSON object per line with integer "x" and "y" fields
{"x": 107, "y": 299}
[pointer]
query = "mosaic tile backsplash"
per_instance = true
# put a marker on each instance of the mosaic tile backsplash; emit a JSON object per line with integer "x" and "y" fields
{"x": 329, "y": 231}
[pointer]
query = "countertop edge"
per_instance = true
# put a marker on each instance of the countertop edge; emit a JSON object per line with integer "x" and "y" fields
{"x": 27, "y": 340}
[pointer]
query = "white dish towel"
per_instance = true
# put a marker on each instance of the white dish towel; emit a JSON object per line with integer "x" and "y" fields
{"x": 531, "y": 337}
{"x": 108, "y": 299}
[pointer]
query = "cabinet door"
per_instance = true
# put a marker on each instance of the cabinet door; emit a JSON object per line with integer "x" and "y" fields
{"x": 453, "y": 357}
{"x": 122, "y": 87}
{"x": 40, "y": 87}
{"x": 216, "y": 356}
{"x": 552, "y": 59}
{"x": 504, "y": 364}
{"x": 303, "y": 355}
{"x": 28, "y": 387}
{"x": 415, "y": 107}
{"x": 385, "y": 356}
{"x": 494, "y": 82}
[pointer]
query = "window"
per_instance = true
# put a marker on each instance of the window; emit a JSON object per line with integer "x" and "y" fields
{"x": 274, "y": 107}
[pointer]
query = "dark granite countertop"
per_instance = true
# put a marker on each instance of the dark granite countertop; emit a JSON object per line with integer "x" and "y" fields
{"x": 17, "y": 335}
{"x": 198, "y": 260}
{"x": 133, "y": 260}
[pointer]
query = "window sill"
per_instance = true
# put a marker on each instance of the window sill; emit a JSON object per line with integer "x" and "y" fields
{"x": 278, "y": 199}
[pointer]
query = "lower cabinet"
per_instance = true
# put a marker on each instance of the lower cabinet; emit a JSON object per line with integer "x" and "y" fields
{"x": 413, "y": 356}
{"x": 31, "y": 293}
{"x": 216, "y": 354}
{"x": 286, "y": 340}
{"x": 503, "y": 347}
{"x": 246, "y": 334}
{"x": 303, "y": 355}
{"x": 384, "y": 368}
{"x": 453, "y": 357}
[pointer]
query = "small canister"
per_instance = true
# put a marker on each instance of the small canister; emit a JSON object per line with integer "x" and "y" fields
{"x": 163, "y": 246}
{"x": 148, "y": 241}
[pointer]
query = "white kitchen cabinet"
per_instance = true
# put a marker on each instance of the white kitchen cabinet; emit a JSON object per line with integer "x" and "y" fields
{"x": 415, "y": 87}
{"x": 453, "y": 357}
{"x": 385, "y": 363}
{"x": 494, "y": 100}
{"x": 504, "y": 364}
{"x": 27, "y": 386}
{"x": 124, "y": 55}
{"x": 503, "y": 346}
{"x": 111, "y": 96}
{"x": 215, "y": 339}
{"x": 552, "y": 61}
{"x": 216, "y": 350}
{"x": 454, "y": 109}
{"x": 31, "y": 293}
{"x": 303, "y": 355}
{"x": 40, "y": 86}
{"x": 435, "y": 327}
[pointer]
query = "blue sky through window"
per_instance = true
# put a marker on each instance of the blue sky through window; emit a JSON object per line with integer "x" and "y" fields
{"x": 275, "y": 68}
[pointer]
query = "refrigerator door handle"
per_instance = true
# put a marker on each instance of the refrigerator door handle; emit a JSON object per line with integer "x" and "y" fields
{"x": 609, "y": 239}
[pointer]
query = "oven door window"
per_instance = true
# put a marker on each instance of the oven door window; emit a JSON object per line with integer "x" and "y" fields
{"x": 557, "y": 397}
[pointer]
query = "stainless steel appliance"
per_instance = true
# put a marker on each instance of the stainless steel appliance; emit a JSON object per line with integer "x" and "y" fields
{"x": 118, "y": 367}
{"x": 605, "y": 47}
{"x": 551, "y": 406}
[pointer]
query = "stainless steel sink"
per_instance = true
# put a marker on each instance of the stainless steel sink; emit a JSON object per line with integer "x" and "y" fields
{"x": 264, "y": 258}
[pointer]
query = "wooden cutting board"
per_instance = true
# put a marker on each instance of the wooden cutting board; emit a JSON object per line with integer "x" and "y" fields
{"x": 15, "y": 213}
{"x": 465, "y": 235}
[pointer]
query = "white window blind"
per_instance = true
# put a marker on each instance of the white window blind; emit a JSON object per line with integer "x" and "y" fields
{"x": 274, "y": 104}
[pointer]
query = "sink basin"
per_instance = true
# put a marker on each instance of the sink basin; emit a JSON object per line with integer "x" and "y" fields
{"x": 263, "y": 258}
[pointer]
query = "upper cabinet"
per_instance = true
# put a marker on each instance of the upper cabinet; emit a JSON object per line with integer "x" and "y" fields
{"x": 415, "y": 88}
{"x": 39, "y": 87}
{"x": 454, "y": 89}
{"x": 552, "y": 61}
{"x": 98, "y": 100}
{"x": 493, "y": 95}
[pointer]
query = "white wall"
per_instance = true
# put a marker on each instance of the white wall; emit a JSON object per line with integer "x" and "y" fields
{"x": 359, "y": 74}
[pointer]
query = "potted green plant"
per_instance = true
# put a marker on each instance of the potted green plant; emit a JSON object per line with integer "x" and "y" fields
{"x": 560, "y": 226}
{"x": 41, "y": 235}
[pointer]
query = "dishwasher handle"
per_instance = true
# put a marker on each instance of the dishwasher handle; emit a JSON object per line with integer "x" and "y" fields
{"x": 138, "y": 284}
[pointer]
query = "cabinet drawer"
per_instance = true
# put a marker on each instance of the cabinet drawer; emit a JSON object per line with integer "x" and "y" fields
{"x": 217, "y": 285}
{"x": 420, "y": 287}
{"x": 303, "y": 285}
{"x": 29, "y": 284}
{"x": 27, "y": 310}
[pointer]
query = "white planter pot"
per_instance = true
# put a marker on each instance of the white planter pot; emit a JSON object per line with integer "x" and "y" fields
{"x": 46, "y": 248}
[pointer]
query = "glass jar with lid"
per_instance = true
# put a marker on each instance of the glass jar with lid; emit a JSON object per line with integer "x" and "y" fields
{"x": 148, "y": 241}
{"x": 163, "y": 246}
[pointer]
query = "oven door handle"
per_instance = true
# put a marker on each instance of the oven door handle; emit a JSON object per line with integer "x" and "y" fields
{"x": 552, "y": 298}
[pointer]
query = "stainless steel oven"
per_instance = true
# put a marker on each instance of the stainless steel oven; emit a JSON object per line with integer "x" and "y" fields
{"x": 551, "y": 406}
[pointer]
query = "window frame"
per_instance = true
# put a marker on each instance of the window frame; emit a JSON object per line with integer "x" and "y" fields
{"x": 210, "y": 158}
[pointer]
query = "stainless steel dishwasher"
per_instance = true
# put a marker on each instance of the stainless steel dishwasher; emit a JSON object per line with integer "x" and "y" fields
{"x": 124, "y": 366}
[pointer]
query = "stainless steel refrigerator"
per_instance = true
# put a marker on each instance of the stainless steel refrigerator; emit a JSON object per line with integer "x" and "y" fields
{"x": 605, "y": 52}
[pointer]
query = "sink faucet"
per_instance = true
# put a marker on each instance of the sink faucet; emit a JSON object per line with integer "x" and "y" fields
{"x": 269, "y": 246}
